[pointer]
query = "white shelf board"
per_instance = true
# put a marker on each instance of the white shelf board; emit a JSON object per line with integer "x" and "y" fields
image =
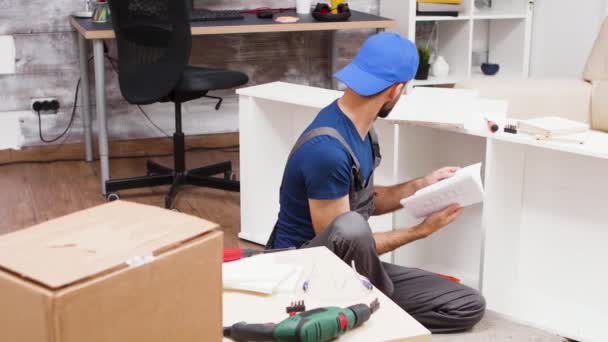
{"x": 441, "y": 18}
{"x": 290, "y": 93}
{"x": 595, "y": 146}
{"x": 437, "y": 81}
{"x": 477, "y": 73}
{"x": 493, "y": 14}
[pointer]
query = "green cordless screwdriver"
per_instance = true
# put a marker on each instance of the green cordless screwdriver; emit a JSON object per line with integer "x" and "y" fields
{"x": 318, "y": 325}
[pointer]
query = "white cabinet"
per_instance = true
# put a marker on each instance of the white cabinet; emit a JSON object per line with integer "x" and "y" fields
{"x": 500, "y": 34}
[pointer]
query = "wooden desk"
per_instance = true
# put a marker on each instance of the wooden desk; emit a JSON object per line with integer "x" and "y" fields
{"x": 250, "y": 24}
{"x": 389, "y": 323}
{"x": 535, "y": 248}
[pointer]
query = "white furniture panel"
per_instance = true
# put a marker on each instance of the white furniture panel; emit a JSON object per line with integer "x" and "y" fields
{"x": 545, "y": 260}
{"x": 266, "y": 137}
{"x": 384, "y": 175}
{"x": 456, "y": 249}
{"x": 559, "y": 21}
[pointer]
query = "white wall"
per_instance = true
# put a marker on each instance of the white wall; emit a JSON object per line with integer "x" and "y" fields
{"x": 562, "y": 36}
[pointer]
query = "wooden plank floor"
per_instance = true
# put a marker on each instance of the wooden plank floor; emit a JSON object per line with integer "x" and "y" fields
{"x": 34, "y": 193}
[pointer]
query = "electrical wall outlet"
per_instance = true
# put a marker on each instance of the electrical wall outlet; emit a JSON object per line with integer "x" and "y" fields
{"x": 45, "y": 105}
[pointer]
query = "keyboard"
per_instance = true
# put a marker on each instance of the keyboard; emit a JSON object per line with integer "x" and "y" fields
{"x": 207, "y": 15}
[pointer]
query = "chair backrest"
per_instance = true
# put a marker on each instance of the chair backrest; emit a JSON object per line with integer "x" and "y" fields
{"x": 154, "y": 42}
{"x": 597, "y": 64}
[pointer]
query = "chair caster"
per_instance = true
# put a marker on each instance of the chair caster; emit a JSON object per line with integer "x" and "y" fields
{"x": 230, "y": 175}
{"x": 113, "y": 196}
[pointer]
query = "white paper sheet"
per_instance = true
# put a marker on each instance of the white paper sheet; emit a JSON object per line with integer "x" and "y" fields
{"x": 464, "y": 188}
{"x": 259, "y": 273}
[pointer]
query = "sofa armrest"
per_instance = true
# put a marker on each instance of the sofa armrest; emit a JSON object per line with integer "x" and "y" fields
{"x": 599, "y": 106}
{"x": 530, "y": 98}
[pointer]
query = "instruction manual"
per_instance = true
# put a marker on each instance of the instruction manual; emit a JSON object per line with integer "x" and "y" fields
{"x": 464, "y": 188}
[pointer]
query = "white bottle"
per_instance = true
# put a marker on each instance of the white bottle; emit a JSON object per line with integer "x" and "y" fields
{"x": 440, "y": 67}
{"x": 303, "y": 6}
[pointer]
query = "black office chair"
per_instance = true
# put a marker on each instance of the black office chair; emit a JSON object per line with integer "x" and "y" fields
{"x": 154, "y": 42}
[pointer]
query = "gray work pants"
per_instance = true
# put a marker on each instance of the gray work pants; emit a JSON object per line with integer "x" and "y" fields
{"x": 439, "y": 304}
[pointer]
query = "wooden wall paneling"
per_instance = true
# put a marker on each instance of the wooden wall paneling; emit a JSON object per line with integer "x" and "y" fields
{"x": 47, "y": 64}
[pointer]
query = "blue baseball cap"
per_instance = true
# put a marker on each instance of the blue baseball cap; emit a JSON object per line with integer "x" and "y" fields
{"x": 383, "y": 60}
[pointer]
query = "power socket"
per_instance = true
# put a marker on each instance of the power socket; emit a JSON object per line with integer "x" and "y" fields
{"x": 45, "y": 105}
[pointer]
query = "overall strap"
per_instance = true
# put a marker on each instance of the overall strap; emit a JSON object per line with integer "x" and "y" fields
{"x": 375, "y": 147}
{"x": 332, "y": 132}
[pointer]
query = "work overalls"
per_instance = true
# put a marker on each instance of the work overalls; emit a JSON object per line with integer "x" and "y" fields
{"x": 352, "y": 225}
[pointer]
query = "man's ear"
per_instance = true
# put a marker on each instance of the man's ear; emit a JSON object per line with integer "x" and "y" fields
{"x": 396, "y": 91}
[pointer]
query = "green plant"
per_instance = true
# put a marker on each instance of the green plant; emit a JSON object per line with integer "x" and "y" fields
{"x": 425, "y": 55}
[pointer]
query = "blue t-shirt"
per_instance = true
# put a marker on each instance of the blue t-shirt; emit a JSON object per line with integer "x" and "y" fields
{"x": 319, "y": 169}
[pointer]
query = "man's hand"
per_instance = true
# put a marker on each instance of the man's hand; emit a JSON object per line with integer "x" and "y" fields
{"x": 438, "y": 220}
{"x": 439, "y": 175}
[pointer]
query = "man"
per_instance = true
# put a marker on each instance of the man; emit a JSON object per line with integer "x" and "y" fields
{"x": 328, "y": 192}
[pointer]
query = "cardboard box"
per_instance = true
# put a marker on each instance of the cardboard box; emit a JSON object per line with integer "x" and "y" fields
{"x": 119, "y": 272}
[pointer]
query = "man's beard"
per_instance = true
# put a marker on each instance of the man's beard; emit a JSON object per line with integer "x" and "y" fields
{"x": 386, "y": 110}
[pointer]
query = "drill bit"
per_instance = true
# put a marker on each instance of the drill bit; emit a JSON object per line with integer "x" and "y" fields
{"x": 374, "y": 306}
{"x": 297, "y": 306}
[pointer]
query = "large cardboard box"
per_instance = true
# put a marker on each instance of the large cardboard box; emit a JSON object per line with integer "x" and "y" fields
{"x": 120, "y": 272}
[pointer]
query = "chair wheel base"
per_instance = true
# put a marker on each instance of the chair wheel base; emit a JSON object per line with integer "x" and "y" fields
{"x": 209, "y": 176}
{"x": 230, "y": 175}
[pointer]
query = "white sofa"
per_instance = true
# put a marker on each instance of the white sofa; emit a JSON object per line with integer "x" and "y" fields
{"x": 584, "y": 100}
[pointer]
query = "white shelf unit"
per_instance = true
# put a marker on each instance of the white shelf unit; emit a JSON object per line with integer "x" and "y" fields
{"x": 501, "y": 34}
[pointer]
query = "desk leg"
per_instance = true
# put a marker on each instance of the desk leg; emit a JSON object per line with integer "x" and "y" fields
{"x": 333, "y": 59}
{"x": 85, "y": 97}
{"x": 100, "y": 97}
